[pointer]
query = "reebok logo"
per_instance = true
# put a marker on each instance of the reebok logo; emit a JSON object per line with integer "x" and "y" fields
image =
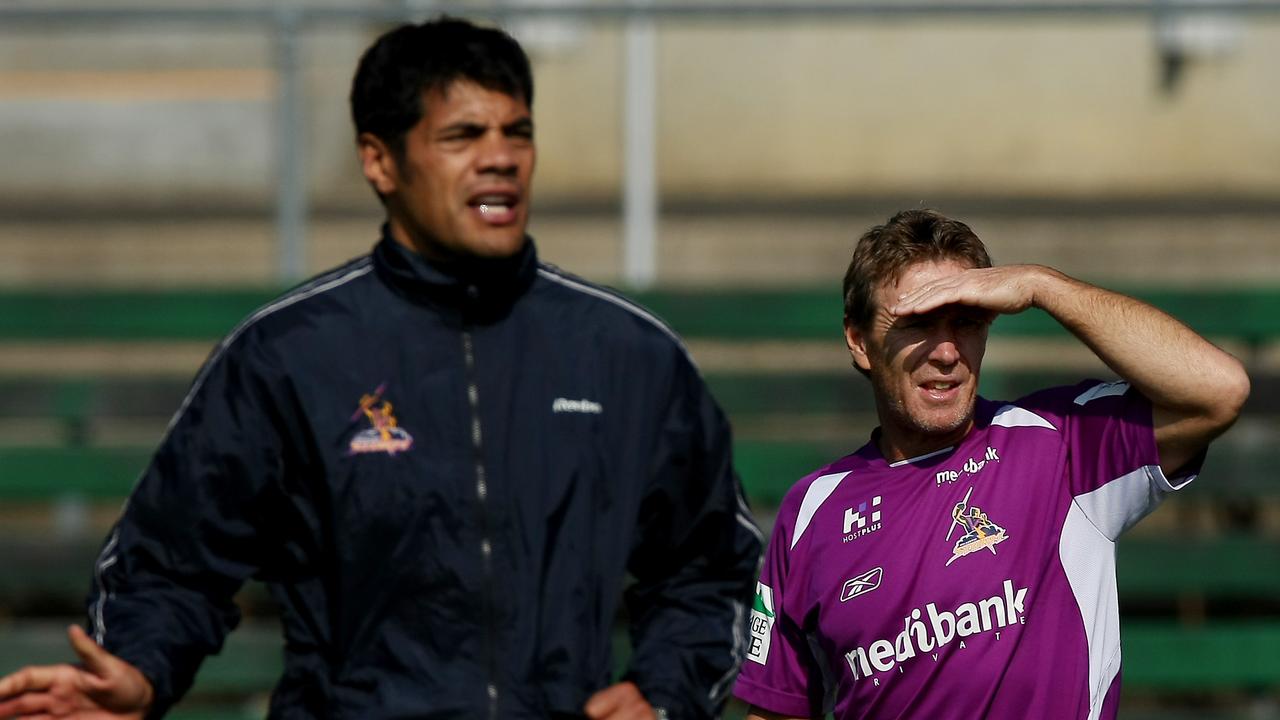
{"x": 921, "y": 635}
{"x": 565, "y": 405}
{"x": 861, "y": 585}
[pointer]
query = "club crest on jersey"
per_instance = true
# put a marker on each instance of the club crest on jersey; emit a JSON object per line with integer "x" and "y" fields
{"x": 385, "y": 435}
{"x": 763, "y": 613}
{"x": 977, "y": 530}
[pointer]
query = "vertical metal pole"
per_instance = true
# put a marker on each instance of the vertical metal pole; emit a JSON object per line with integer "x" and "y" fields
{"x": 291, "y": 184}
{"x": 640, "y": 192}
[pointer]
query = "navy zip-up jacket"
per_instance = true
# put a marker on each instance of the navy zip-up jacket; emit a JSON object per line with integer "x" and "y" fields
{"x": 445, "y": 479}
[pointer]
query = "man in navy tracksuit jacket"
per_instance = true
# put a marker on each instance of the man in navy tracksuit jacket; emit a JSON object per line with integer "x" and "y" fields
{"x": 445, "y": 458}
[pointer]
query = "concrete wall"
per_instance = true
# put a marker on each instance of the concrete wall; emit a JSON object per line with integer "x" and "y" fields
{"x": 999, "y": 108}
{"x": 181, "y": 115}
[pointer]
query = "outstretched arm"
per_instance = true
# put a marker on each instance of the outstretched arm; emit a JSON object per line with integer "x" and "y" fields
{"x": 102, "y": 687}
{"x": 1195, "y": 388}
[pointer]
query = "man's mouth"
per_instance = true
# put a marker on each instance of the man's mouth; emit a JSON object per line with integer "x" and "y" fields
{"x": 940, "y": 390}
{"x": 496, "y": 208}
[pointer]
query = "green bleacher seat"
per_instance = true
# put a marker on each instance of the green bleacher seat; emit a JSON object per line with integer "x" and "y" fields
{"x": 1168, "y": 648}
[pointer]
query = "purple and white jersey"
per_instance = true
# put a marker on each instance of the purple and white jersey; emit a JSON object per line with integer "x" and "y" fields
{"x": 975, "y": 581}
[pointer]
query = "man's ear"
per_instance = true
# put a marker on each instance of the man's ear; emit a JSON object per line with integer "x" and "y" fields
{"x": 856, "y": 340}
{"x": 378, "y": 163}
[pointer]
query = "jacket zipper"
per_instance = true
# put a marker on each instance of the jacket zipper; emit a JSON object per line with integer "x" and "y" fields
{"x": 482, "y": 516}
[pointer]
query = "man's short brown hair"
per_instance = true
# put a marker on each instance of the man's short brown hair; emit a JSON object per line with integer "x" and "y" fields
{"x": 885, "y": 251}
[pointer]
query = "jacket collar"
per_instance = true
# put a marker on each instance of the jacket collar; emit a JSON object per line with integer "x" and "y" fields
{"x": 481, "y": 289}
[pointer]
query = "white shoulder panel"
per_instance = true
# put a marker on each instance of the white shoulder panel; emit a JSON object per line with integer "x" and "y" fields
{"x": 1102, "y": 390}
{"x": 1121, "y": 503}
{"x": 818, "y": 492}
{"x": 1088, "y": 558}
{"x": 1014, "y": 416}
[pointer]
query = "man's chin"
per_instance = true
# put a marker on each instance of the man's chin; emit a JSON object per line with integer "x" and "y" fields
{"x": 480, "y": 253}
{"x": 944, "y": 422}
{"x": 497, "y": 246}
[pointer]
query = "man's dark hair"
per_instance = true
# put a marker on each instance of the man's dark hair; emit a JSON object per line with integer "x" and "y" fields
{"x": 885, "y": 251}
{"x": 412, "y": 60}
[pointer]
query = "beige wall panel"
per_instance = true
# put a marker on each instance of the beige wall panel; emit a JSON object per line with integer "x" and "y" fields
{"x": 115, "y": 116}
{"x": 1045, "y": 108}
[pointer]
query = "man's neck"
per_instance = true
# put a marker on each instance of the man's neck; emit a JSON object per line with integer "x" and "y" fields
{"x": 896, "y": 445}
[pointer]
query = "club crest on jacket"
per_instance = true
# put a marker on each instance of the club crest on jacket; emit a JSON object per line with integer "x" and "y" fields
{"x": 385, "y": 435}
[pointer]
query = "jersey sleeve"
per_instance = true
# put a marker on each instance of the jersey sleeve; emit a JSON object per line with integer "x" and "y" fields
{"x": 1113, "y": 465}
{"x": 780, "y": 674}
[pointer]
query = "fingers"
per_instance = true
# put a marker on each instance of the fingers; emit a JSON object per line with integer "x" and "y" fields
{"x": 1005, "y": 289}
{"x": 103, "y": 686}
{"x": 622, "y": 701}
{"x": 916, "y": 300}
{"x": 95, "y": 660}
{"x": 29, "y": 679}
{"x": 931, "y": 296}
{"x": 603, "y": 703}
{"x": 30, "y": 704}
{"x": 107, "y": 680}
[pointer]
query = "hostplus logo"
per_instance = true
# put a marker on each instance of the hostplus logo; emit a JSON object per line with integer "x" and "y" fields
{"x": 972, "y": 466}
{"x": 927, "y": 631}
{"x": 860, "y": 522}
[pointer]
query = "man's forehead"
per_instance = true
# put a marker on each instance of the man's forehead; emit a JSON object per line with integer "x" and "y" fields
{"x": 436, "y": 96}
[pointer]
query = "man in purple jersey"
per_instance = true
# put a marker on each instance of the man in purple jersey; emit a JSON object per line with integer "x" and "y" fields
{"x": 961, "y": 564}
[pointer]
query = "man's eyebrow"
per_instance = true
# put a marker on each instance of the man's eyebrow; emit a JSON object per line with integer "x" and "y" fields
{"x": 467, "y": 126}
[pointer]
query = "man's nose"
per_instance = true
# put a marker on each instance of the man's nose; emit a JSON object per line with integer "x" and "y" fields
{"x": 944, "y": 350}
{"x": 497, "y": 155}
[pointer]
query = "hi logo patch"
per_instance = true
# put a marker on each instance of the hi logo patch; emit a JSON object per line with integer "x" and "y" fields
{"x": 978, "y": 532}
{"x": 862, "y": 520}
{"x": 763, "y": 614}
{"x": 385, "y": 435}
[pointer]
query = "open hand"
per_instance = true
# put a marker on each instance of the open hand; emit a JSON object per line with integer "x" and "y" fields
{"x": 102, "y": 687}
{"x": 1005, "y": 289}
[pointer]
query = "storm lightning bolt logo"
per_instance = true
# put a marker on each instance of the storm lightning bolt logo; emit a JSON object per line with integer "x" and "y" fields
{"x": 979, "y": 532}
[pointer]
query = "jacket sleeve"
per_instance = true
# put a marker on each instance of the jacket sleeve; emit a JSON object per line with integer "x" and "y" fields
{"x": 694, "y": 559}
{"x": 192, "y": 531}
